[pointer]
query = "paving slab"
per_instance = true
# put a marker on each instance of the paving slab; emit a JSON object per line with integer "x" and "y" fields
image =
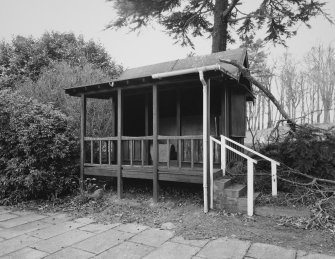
{"x": 266, "y": 251}
{"x": 6, "y": 216}
{"x": 153, "y": 237}
{"x": 8, "y": 233}
{"x": 57, "y": 229}
{"x": 126, "y": 250}
{"x": 56, "y": 243}
{"x": 170, "y": 250}
{"x": 131, "y": 228}
{"x": 192, "y": 242}
{"x": 305, "y": 255}
{"x": 224, "y": 248}
{"x": 23, "y": 212}
{"x": 26, "y": 253}
{"x": 56, "y": 218}
{"x": 20, "y": 220}
{"x": 101, "y": 242}
{"x": 16, "y": 243}
{"x": 98, "y": 228}
{"x": 70, "y": 252}
{"x": 84, "y": 220}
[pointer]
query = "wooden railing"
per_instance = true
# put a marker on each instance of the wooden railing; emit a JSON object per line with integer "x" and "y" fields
{"x": 180, "y": 151}
{"x": 100, "y": 151}
{"x": 173, "y": 151}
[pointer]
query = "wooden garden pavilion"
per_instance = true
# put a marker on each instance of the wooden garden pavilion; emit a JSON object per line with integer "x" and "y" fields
{"x": 164, "y": 115}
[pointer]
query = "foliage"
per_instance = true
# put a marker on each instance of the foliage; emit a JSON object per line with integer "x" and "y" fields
{"x": 38, "y": 150}
{"x": 194, "y": 18}
{"x": 49, "y": 88}
{"x": 309, "y": 150}
{"x": 26, "y": 57}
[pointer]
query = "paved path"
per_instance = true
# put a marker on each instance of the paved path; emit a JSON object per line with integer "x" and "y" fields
{"x": 31, "y": 235}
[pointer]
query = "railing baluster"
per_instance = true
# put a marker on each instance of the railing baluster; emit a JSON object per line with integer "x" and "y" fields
{"x": 168, "y": 153}
{"x": 179, "y": 153}
{"x": 142, "y": 152}
{"x": 100, "y": 151}
{"x": 192, "y": 153}
{"x": 109, "y": 142}
{"x": 91, "y": 151}
{"x": 131, "y": 152}
{"x": 250, "y": 188}
{"x": 223, "y": 155}
{"x": 274, "y": 178}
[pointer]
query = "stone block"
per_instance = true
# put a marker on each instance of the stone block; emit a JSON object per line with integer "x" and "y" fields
{"x": 98, "y": 228}
{"x": 103, "y": 241}
{"x": 152, "y": 237}
{"x": 70, "y": 252}
{"x": 6, "y": 216}
{"x": 20, "y": 220}
{"x": 224, "y": 248}
{"x": 191, "y": 242}
{"x": 131, "y": 228}
{"x": 57, "y": 229}
{"x": 266, "y": 251}
{"x": 171, "y": 250}
{"x": 126, "y": 250}
{"x": 16, "y": 243}
{"x": 27, "y": 253}
{"x": 56, "y": 243}
{"x": 23, "y": 229}
{"x": 306, "y": 255}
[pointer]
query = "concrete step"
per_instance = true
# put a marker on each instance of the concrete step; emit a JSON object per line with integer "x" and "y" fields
{"x": 235, "y": 191}
{"x": 222, "y": 183}
{"x": 217, "y": 174}
{"x": 234, "y": 205}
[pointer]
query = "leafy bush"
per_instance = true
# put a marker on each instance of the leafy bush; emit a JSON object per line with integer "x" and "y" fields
{"x": 38, "y": 150}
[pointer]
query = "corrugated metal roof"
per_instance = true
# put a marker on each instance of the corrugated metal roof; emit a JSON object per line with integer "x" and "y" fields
{"x": 191, "y": 62}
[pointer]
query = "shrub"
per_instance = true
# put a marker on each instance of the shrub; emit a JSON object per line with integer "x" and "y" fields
{"x": 38, "y": 150}
{"x": 309, "y": 150}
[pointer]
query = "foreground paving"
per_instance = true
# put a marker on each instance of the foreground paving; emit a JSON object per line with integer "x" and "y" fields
{"x": 31, "y": 235}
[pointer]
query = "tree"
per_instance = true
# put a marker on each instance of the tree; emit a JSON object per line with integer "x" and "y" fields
{"x": 219, "y": 19}
{"x": 49, "y": 88}
{"x": 26, "y": 57}
{"x": 321, "y": 67}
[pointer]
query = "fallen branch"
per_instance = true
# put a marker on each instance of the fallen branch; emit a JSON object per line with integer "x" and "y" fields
{"x": 246, "y": 73}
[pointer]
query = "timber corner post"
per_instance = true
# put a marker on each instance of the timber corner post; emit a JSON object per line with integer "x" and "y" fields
{"x": 82, "y": 138}
{"x": 119, "y": 143}
{"x": 155, "y": 141}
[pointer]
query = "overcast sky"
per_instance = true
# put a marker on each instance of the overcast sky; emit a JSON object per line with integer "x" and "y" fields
{"x": 89, "y": 17}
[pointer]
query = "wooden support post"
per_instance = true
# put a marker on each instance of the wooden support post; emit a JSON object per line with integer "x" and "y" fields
{"x": 155, "y": 142}
{"x": 146, "y": 128}
{"x": 82, "y": 138}
{"x": 178, "y": 115}
{"x": 192, "y": 153}
{"x": 119, "y": 143}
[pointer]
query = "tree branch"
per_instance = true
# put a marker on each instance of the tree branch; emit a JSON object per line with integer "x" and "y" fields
{"x": 229, "y": 9}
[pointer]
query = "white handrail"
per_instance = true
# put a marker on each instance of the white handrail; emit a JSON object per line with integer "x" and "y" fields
{"x": 251, "y": 162}
{"x": 250, "y": 168}
{"x": 274, "y": 163}
{"x": 251, "y": 150}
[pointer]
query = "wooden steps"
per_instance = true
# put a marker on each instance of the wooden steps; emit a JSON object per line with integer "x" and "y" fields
{"x": 230, "y": 196}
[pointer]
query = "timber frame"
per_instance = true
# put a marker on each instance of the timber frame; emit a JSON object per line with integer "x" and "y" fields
{"x": 163, "y": 119}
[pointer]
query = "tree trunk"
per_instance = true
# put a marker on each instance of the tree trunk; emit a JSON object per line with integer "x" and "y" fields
{"x": 220, "y": 33}
{"x": 246, "y": 73}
